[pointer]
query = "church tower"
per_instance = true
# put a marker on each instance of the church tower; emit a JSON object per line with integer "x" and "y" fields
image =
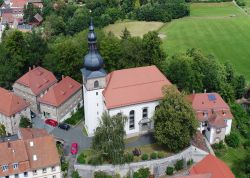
{"x": 94, "y": 83}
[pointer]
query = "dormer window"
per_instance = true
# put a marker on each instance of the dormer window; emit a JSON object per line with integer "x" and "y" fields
{"x": 205, "y": 113}
{"x": 224, "y": 113}
{"x": 15, "y": 165}
{"x": 5, "y": 167}
{"x": 96, "y": 84}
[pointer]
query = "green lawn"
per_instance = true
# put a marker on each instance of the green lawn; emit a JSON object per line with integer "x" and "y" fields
{"x": 136, "y": 28}
{"x": 220, "y": 29}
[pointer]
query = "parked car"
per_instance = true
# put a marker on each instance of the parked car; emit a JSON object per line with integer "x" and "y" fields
{"x": 32, "y": 114}
{"x": 64, "y": 126}
{"x": 74, "y": 148}
{"x": 51, "y": 122}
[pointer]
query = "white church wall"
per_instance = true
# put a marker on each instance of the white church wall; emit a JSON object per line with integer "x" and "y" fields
{"x": 228, "y": 128}
{"x": 138, "y": 114}
{"x": 93, "y": 108}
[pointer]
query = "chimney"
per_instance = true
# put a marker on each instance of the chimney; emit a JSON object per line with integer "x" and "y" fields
{"x": 193, "y": 91}
{"x": 34, "y": 66}
{"x": 29, "y": 68}
{"x": 62, "y": 76}
{"x": 205, "y": 91}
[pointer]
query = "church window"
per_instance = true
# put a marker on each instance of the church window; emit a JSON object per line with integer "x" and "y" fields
{"x": 132, "y": 119}
{"x": 145, "y": 113}
{"x": 96, "y": 84}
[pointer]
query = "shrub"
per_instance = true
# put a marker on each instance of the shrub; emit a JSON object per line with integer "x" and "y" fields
{"x": 169, "y": 170}
{"x": 95, "y": 160}
{"x": 64, "y": 166}
{"x": 128, "y": 157}
{"x": 247, "y": 144}
{"x": 75, "y": 117}
{"x": 101, "y": 174}
{"x": 161, "y": 155}
{"x": 81, "y": 158}
{"x": 179, "y": 165}
{"x": 142, "y": 173}
{"x": 153, "y": 155}
{"x": 25, "y": 123}
{"x": 190, "y": 162}
{"x": 233, "y": 140}
{"x": 219, "y": 146}
{"x": 144, "y": 156}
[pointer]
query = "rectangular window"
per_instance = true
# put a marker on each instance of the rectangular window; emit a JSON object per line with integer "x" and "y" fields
{"x": 96, "y": 93}
{"x": 53, "y": 168}
{"x": 204, "y": 124}
{"x": 44, "y": 170}
{"x": 15, "y": 165}
{"x": 16, "y": 175}
{"x": 5, "y": 167}
{"x": 145, "y": 113}
{"x": 54, "y": 177}
{"x": 208, "y": 129}
{"x": 131, "y": 119}
{"x": 25, "y": 174}
{"x": 34, "y": 172}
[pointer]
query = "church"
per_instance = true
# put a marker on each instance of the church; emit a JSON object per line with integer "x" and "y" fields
{"x": 134, "y": 92}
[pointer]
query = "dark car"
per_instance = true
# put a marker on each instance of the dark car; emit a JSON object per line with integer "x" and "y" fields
{"x": 33, "y": 115}
{"x": 64, "y": 126}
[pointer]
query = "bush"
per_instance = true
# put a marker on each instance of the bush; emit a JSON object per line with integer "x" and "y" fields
{"x": 179, "y": 165}
{"x": 75, "y": 117}
{"x": 153, "y": 155}
{"x": 169, "y": 170}
{"x": 144, "y": 157}
{"x": 95, "y": 160}
{"x": 25, "y": 123}
{"x": 190, "y": 162}
{"x": 128, "y": 157}
{"x": 101, "y": 174}
{"x": 247, "y": 144}
{"x": 161, "y": 155}
{"x": 64, "y": 166}
{"x": 81, "y": 158}
{"x": 142, "y": 173}
{"x": 219, "y": 146}
{"x": 233, "y": 140}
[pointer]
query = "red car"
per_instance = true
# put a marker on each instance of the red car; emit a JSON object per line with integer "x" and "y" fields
{"x": 51, "y": 122}
{"x": 74, "y": 148}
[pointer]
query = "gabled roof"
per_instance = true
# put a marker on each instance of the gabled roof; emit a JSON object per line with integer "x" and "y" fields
{"x": 10, "y": 103}
{"x": 201, "y": 101}
{"x": 29, "y": 133}
{"x": 196, "y": 176}
{"x": 61, "y": 92}
{"x": 210, "y": 107}
{"x": 214, "y": 166}
{"x": 18, "y": 3}
{"x": 43, "y": 153}
{"x": 37, "y": 79}
{"x": 133, "y": 86}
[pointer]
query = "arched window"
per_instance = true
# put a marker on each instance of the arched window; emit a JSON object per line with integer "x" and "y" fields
{"x": 96, "y": 84}
{"x": 132, "y": 119}
{"x": 145, "y": 113}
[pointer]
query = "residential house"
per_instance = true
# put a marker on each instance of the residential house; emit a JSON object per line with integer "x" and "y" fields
{"x": 12, "y": 108}
{"x": 134, "y": 92}
{"x": 33, "y": 85}
{"x": 33, "y": 155}
{"x": 209, "y": 167}
{"x": 213, "y": 114}
{"x": 62, "y": 100}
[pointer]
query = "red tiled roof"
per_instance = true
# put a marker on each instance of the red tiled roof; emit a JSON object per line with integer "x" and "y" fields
{"x": 217, "y": 121}
{"x": 18, "y": 3}
{"x": 213, "y": 165}
{"x": 29, "y": 133}
{"x": 10, "y": 103}
{"x": 214, "y": 111}
{"x": 22, "y": 152}
{"x": 196, "y": 176}
{"x": 133, "y": 86}
{"x": 61, "y": 92}
{"x": 13, "y": 152}
{"x": 37, "y": 79}
{"x": 7, "y": 17}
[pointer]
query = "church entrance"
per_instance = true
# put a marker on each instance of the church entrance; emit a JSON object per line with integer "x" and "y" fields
{"x": 145, "y": 125}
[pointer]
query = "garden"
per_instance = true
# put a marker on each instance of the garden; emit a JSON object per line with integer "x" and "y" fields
{"x": 75, "y": 117}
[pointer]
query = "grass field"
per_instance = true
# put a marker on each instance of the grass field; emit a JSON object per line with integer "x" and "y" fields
{"x": 220, "y": 29}
{"x": 136, "y": 28}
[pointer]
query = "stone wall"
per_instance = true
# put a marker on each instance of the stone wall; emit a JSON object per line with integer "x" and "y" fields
{"x": 157, "y": 167}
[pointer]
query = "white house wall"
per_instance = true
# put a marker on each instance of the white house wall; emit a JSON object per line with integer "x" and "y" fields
{"x": 229, "y": 125}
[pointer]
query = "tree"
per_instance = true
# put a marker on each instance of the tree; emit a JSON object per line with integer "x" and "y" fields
{"x": 108, "y": 138}
{"x": 75, "y": 174}
{"x": 125, "y": 34}
{"x": 175, "y": 122}
{"x": 29, "y": 12}
{"x": 2, "y": 130}
{"x": 25, "y": 123}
